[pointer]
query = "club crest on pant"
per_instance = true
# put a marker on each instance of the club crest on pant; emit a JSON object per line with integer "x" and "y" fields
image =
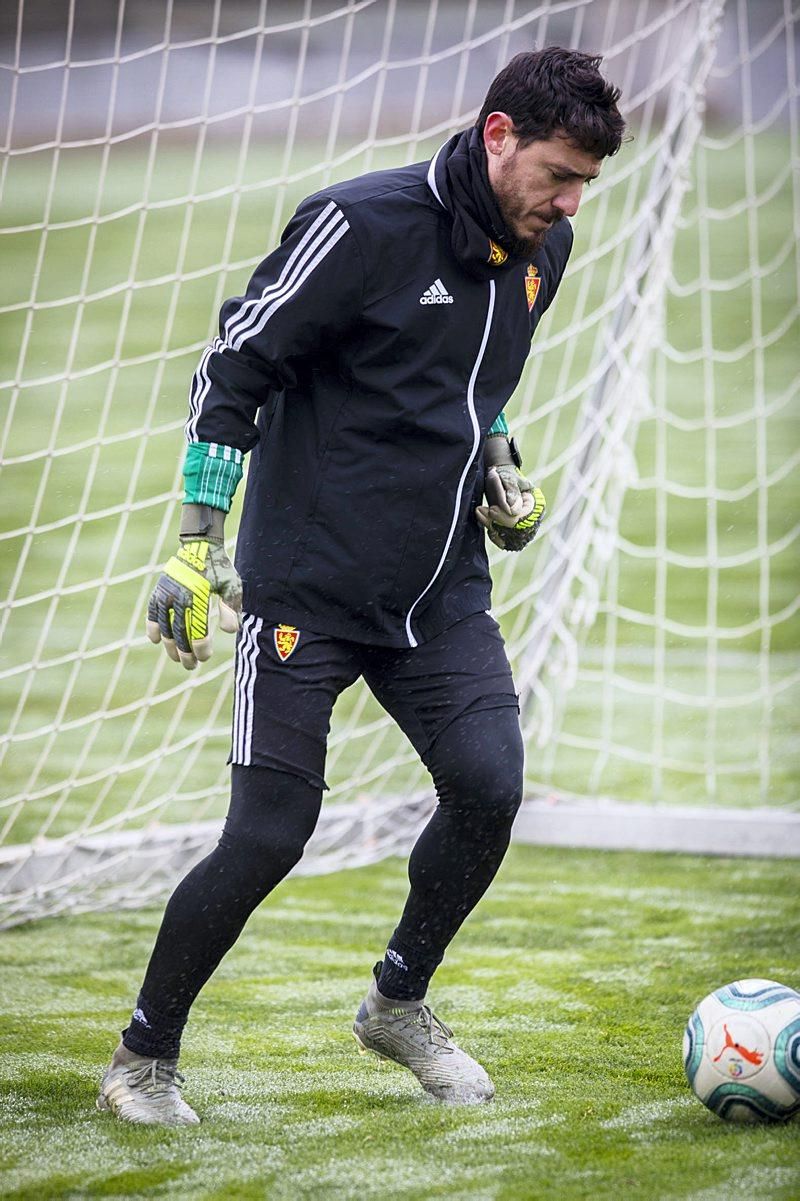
{"x": 286, "y": 639}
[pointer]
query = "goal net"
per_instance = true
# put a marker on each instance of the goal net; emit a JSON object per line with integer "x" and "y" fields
{"x": 151, "y": 156}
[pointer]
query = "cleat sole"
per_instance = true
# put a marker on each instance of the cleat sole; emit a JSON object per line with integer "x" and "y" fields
{"x": 363, "y": 1050}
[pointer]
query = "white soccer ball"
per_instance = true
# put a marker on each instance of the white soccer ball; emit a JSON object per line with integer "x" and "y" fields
{"x": 741, "y": 1051}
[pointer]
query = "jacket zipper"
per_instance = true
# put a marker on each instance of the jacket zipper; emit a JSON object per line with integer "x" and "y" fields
{"x": 476, "y": 441}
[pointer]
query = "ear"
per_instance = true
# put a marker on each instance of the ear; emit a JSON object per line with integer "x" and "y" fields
{"x": 497, "y": 129}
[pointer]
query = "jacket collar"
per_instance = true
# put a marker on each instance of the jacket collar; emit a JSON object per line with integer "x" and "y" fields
{"x": 459, "y": 180}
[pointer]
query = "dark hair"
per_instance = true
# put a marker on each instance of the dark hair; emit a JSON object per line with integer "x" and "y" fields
{"x": 552, "y": 90}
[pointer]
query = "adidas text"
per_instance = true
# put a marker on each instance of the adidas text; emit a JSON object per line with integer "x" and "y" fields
{"x": 436, "y": 294}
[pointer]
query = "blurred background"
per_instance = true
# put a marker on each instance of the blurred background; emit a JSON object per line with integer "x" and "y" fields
{"x": 152, "y": 151}
{"x": 96, "y": 69}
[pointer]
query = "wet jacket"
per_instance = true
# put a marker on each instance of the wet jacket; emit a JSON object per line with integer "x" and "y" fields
{"x": 363, "y": 370}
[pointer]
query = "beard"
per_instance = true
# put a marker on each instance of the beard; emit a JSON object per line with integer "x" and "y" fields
{"x": 514, "y": 212}
{"x": 525, "y": 248}
{"x": 522, "y": 245}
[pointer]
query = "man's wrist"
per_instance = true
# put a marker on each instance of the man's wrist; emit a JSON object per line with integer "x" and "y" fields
{"x": 202, "y": 521}
{"x": 501, "y": 451}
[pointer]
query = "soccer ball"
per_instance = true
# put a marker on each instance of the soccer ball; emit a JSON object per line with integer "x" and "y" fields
{"x": 741, "y": 1051}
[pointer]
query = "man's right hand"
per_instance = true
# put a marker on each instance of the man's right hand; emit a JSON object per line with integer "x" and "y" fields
{"x": 178, "y": 612}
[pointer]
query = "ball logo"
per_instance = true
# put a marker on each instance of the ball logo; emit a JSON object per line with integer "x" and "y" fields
{"x": 286, "y": 639}
{"x": 736, "y": 1047}
{"x": 730, "y": 1044}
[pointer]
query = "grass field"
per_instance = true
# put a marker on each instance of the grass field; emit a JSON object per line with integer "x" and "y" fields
{"x": 574, "y": 978}
{"x": 572, "y": 982}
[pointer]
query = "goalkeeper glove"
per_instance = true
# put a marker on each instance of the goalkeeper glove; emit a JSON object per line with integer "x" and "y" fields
{"x": 516, "y": 507}
{"x": 515, "y": 531}
{"x": 179, "y": 609}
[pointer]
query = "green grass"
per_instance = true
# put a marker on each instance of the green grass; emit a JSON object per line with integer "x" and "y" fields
{"x": 572, "y": 982}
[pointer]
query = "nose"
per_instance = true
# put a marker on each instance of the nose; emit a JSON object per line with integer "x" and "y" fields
{"x": 569, "y": 198}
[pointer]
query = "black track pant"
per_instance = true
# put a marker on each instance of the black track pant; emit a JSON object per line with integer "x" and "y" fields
{"x": 476, "y": 764}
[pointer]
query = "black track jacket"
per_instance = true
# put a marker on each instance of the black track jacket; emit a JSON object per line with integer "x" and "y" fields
{"x": 364, "y": 369}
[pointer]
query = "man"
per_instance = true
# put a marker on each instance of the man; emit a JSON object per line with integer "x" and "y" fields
{"x": 366, "y": 371}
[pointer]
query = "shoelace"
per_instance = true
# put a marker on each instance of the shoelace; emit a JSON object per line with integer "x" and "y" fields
{"x": 438, "y": 1033}
{"x": 155, "y": 1078}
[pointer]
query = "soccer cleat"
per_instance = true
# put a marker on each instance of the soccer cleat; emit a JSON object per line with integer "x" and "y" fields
{"x": 143, "y": 1090}
{"x": 410, "y": 1034}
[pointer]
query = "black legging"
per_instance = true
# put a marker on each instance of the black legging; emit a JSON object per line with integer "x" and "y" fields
{"x": 476, "y": 764}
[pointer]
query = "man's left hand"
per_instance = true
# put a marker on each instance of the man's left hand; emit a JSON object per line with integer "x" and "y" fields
{"x": 504, "y": 487}
{"x": 512, "y": 530}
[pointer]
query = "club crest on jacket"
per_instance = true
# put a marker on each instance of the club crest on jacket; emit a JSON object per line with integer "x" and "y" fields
{"x": 532, "y": 281}
{"x": 497, "y": 256}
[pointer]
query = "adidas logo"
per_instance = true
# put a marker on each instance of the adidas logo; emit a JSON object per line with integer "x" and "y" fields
{"x": 436, "y": 294}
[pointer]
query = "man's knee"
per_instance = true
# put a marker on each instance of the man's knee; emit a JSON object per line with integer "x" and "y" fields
{"x": 271, "y": 818}
{"x": 261, "y": 860}
{"x": 489, "y": 791}
{"x": 478, "y": 766}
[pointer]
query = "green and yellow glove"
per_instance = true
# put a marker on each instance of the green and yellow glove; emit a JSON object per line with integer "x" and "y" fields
{"x": 180, "y": 606}
{"x": 515, "y": 506}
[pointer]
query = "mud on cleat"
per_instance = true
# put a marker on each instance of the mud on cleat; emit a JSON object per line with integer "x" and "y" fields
{"x": 146, "y": 1091}
{"x": 410, "y": 1034}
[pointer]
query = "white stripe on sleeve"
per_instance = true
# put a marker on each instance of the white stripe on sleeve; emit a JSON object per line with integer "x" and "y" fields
{"x": 253, "y": 314}
{"x": 238, "y": 321}
{"x": 274, "y": 298}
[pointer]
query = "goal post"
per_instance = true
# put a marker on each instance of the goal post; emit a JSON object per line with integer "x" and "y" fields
{"x": 149, "y": 161}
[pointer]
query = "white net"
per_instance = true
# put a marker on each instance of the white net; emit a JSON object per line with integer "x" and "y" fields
{"x": 151, "y": 156}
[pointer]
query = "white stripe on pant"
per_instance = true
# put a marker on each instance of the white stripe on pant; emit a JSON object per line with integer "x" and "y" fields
{"x": 247, "y": 650}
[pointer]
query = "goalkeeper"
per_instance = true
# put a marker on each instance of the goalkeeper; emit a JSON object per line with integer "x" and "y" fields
{"x": 366, "y": 372}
